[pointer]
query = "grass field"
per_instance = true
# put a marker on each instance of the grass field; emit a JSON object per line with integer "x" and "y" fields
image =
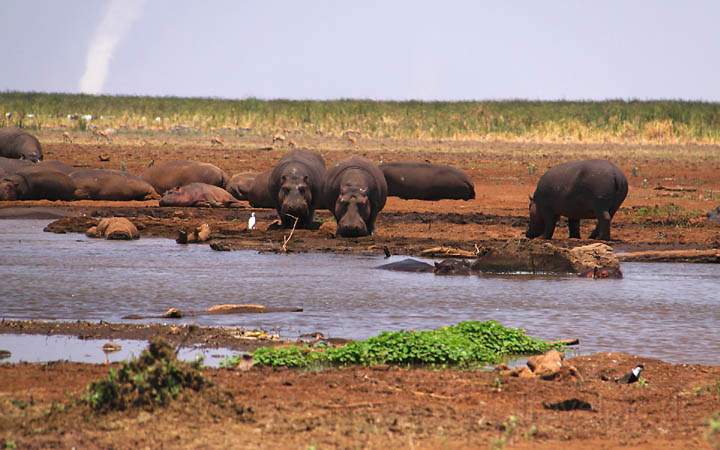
{"x": 616, "y": 121}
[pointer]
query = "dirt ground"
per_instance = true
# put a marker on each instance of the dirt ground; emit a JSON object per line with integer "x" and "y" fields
{"x": 671, "y": 189}
{"x": 381, "y": 407}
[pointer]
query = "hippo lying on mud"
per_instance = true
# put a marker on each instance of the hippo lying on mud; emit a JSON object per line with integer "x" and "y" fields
{"x": 9, "y": 165}
{"x": 172, "y": 174}
{"x": 355, "y": 192}
{"x": 35, "y": 183}
{"x": 240, "y": 184}
{"x": 259, "y": 194}
{"x": 199, "y": 194}
{"x": 425, "y": 181}
{"x": 296, "y": 186}
{"x": 102, "y": 184}
{"x": 577, "y": 190}
{"x": 19, "y": 144}
{"x": 58, "y": 166}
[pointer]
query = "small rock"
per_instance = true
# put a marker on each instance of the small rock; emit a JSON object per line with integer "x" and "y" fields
{"x": 114, "y": 228}
{"x": 546, "y": 366}
{"x": 4, "y": 354}
{"x": 110, "y": 347}
{"x": 173, "y": 313}
{"x": 572, "y": 404}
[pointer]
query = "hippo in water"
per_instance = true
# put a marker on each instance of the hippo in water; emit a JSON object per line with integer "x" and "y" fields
{"x": 35, "y": 183}
{"x": 425, "y": 181}
{"x": 577, "y": 190}
{"x": 105, "y": 184}
{"x": 296, "y": 186}
{"x": 199, "y": 194}
{"x": 240, "y": 184}
{"x": 355, "y": 192}
{"x": 19, "y": 144}
{"x": 172, "y": 174}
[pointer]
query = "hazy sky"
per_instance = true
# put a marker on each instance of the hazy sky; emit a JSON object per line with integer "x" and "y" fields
{"x": 412, "y": 49}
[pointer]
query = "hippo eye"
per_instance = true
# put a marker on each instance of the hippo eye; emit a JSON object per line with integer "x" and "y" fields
{"x": 302, "y": 189}
{"x": 286, "y": 190}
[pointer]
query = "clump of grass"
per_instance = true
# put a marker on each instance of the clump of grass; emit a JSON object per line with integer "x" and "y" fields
{"x": 670, "y": 214}
{"x": 713, "y": 431}
{"x": 152, "y": 379}
{"x": 465, "y": 344}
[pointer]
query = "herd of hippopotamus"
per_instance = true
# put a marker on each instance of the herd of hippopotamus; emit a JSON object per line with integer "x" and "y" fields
{"x": 353, "y": 190}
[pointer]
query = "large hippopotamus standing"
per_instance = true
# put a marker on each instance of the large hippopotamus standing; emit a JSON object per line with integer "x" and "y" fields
{"x": 296, "y": 186}
{"x": 199, "y": 194}
{"x": 172, "y": 174}
{"x": 19, "y": 144}
{"x": 355, "y": 192}
{"x": 105, "y": 184}
{"x": 425, "y": 181}
{"x": 577, "y": 190}
{"x": 35, "y": 183}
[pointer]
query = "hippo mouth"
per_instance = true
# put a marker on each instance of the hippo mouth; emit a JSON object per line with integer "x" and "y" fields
{"x": 353, "y": 231}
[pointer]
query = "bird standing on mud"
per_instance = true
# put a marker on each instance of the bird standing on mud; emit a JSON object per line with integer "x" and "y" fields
{"x": 251, "y": 222}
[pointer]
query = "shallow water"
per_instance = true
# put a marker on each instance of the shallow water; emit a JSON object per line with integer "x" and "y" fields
{"x": 668, "y": 311}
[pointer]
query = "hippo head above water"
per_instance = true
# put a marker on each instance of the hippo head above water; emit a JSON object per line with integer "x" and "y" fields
{"x": 354, "y": 210}
{"x": 536, "y": 225}
{"x": 295, "y": 197}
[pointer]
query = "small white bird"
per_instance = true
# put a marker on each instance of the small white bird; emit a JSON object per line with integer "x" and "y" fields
{"x": 251, "y": 222}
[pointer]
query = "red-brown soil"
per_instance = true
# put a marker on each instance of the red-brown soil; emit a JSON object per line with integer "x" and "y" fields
{"x": 382, "y": 407}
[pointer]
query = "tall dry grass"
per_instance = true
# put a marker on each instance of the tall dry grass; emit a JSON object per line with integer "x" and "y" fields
{"x": 615, "y": 121}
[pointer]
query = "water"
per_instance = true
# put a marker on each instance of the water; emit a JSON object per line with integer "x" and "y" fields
{"x": 668, "y": 311}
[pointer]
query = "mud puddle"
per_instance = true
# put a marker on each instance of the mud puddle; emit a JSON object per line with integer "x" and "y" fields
{"x": 667, "y": 311}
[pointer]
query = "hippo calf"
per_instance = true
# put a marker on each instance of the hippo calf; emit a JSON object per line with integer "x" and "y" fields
{"x": 199, "y": 194}
{"x": 172, "y": 174}
{"x": 105, "y": 184}
{"x": 296, "y": 186}
{"x": 19, "y": 144}
{"x": 35, "y": 183}
{"x": 577, "y": 190}
{"x": 425, "y": 181}
{"x": 355, "y": 192}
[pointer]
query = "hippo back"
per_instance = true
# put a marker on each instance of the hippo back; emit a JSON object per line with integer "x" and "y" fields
{"x": 57, "y": 166}
{"x": 10, "y": 165}
{"x": 44, "y": 184}
{"x": 106, "y": 184}
{"x": 259, "y": 193}
{"x": 172, "y": 174}
{"x": 425, "y": 181}
{"x": 240, "y": 184}
{"x": 18, "y": 144}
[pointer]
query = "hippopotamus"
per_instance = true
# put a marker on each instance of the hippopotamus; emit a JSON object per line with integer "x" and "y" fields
{"x": 35, "y": 183}
{"x": 58, "y": 166}
{"x": 10, "y": 166}
{"x": 577, "y": 190}
{"x": 355, "y": 192}
{"x": 19, "y": 144}
{"x": 172, "y": 174}
{"x": 408, "y": 265}
{"x": 105, "y": 184}
{"x": 199, "y": 194}
{"x": 259, "y": 195}
{"x": 296, "y": 186}
{"x": 240, "y": 184}
{"x": 425, "y": 181}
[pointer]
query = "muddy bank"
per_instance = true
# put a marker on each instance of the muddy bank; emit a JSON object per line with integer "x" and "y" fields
{"x": 382, "y": 407}
{"x": 234, "y": 338}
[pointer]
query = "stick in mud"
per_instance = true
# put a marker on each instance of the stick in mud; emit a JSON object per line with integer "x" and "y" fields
{"x": 286, "y": 240}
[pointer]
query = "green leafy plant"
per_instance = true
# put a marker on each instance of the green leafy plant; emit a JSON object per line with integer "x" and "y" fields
{"x": 713, "y": 432}
{"x": 465, "y": 344}
{"x": 152, "y": 379}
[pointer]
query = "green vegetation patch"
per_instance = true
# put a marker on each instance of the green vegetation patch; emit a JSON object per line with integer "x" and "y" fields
{"x": 465, "y": 344}
{"x": 152, "y": 379}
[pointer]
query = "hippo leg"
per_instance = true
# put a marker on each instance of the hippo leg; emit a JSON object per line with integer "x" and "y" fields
{"x": 550, "y": 222}
{"x": 602, "y": 229}
{"x": 574, "y": 228}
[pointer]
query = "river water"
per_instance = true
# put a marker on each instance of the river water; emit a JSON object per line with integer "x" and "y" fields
{"x": 668, "y": 311}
